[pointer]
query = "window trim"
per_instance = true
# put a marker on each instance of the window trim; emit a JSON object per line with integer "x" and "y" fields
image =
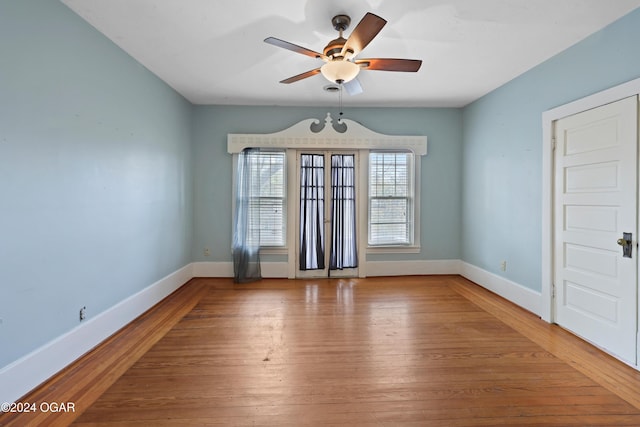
{"x": 313, "y": 134}
{"x": 415, "y": 246}
{"x": 363, "y": 208}
{"x": 269, "y": 250}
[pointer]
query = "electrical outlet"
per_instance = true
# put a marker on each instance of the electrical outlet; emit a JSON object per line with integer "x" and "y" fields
{"x": 83, "y": 313}
{"x": 503, "y": 266}
{"x": 207, "y": 252}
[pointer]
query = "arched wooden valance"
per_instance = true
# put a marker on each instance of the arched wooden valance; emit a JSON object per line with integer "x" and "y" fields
{"x": 311, "y": 133}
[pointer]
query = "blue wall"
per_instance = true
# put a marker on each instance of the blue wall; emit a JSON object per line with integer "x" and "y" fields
{"x": 503, "y": 146}
{"x": 95, "y": 175}
{"x": 441, "y": 174}
{"x": 109, "y": 180}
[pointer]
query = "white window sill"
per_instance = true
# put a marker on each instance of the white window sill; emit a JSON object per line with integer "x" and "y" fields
{"x": 393, "y": 249}
{"x": 270, "y": 250}
{"x": 274, "y": 250}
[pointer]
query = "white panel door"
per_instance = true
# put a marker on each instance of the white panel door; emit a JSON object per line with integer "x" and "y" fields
{"x": 595, "y": 202}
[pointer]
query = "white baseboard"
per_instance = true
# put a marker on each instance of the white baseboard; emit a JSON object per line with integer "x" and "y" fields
{"x": 225, "y": 269}
{"x": 212, "y": 269}
{"x": 373, "y": 268}
{"x": 26, "y": 373}
{"x": 520, "y": 295}
{"x": 412, "y": 268}
{"x": 274, "y": 269}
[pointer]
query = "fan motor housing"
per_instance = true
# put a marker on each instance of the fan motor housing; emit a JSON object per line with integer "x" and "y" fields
{"x": 334, "y": 47}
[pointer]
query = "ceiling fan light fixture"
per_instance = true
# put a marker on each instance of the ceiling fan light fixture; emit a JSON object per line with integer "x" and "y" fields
{"x": 340, "y": 71}
{"x": 339, "y": 55}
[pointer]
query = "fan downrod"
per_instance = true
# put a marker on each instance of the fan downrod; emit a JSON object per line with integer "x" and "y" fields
{"x": 334, "y": 47}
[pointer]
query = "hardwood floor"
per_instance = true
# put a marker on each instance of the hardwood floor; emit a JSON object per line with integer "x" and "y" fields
{"x": 434, "y": 350}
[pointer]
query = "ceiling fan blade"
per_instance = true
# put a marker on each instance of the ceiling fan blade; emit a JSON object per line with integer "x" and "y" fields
{"x": 353, "y": 87}
{"x": 362, "y": 35}
{"x": 301, "y": 76}
{"x": 294, "y": 47}
{"x": 390, "y": 64}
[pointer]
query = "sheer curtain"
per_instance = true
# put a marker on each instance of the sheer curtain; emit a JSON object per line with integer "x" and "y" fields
{"x": 343, "y": 252}
{"x": 246, "y": 238}
{"x": 311, "y": 212}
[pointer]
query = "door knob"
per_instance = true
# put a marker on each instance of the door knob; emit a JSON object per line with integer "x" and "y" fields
{"x": 626, "y": 242}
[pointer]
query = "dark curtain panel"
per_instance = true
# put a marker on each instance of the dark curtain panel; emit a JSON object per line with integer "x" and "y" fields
{"x": 343, "y": 253}
{"x": 246, "y": 236}
{"x": 311, "y": 212}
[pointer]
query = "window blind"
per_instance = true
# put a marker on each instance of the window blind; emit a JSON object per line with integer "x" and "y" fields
{"x": 390, "y": 198}
{"x": 270, "y": 204}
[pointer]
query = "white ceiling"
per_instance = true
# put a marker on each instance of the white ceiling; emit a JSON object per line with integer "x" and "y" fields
{"x": 212, "y": 51}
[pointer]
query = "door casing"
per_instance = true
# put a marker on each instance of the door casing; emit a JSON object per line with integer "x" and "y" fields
{"x": 351, "y": 272}
{"x": 613, "y": 94}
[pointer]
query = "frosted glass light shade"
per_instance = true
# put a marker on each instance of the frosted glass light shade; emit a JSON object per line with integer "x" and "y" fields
{"x": 340, "y": 71}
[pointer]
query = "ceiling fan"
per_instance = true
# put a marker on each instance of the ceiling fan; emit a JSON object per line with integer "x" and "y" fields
{"x": 341, "y": 66}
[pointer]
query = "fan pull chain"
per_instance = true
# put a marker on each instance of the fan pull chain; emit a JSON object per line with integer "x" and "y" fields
{"x": 340, "y": 101}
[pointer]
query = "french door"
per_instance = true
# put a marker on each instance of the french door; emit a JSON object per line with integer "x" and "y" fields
{"x": 326, "y": 219}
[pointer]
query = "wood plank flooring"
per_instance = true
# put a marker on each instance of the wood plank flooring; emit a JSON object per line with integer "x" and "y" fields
{"x": 402, "y": 351}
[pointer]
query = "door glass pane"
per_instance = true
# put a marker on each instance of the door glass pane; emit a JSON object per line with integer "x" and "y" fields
{"x": 312, "y": 212}
{"x": 343, "y": 252}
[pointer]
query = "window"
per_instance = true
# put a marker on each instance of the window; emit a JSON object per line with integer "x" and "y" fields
{"x": 269, "y": 206}
{"x": 391, "y": 198}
